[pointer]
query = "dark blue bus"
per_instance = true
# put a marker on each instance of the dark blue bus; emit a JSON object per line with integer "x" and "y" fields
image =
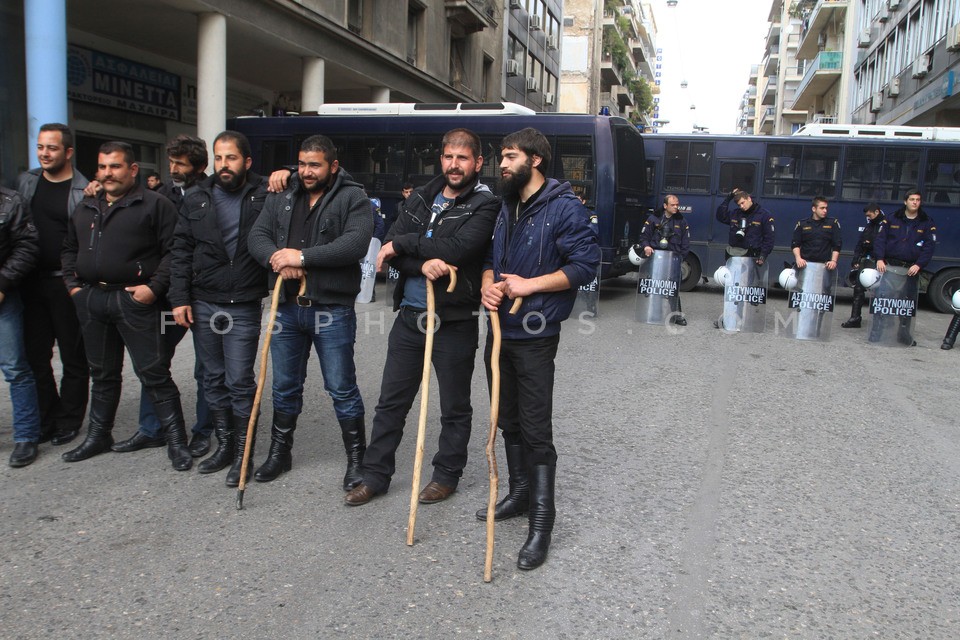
{"x": 850, "y": 169}
{"x": 385, "y": 145}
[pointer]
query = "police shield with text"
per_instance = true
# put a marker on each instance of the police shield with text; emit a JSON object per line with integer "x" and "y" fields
{"x": 744, "y": 295}
{"x": 750, "y": 242}
{"x": 664, "y": 243}
{"x": 816, "y": 245}
{"x": 894, "y": 308}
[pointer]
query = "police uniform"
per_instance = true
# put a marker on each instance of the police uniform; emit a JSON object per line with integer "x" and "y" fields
{"x": 669, "y": 233}
{"x": 862, "y": 259}
{"x": 817, "y": 239}
{"x": 751, "y": 231}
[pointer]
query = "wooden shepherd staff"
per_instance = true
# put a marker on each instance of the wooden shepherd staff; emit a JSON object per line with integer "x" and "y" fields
{"x": 424, "y": 393}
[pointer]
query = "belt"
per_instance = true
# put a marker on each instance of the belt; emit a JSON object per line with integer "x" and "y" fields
{"x": 110, "y": 286}
{"x": 898, "y": 263}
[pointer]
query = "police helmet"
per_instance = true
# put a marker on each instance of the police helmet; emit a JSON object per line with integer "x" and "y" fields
{"x": 869, "y": 278}
{"x": 955, "y": 301}
{"x": 636, "y": 255}
{"x": 788, "y": 278}
{"x": 723, "y": 276}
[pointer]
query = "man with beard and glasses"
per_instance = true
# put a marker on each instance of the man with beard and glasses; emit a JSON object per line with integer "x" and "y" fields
{"x": 116, "y": 263}
{"x": 216, "y": 288}
{"x": 319, "y": 227}
{"x": 52, "y": 192}
{"x": 543, "y": 250}
{"x": 443, "y": 226}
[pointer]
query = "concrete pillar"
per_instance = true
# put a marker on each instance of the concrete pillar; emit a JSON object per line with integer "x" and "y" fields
{"x": 45, "y": 31}
{"x": 380, "y": 94}
{"x": 313, "y": 78}
{"x": 211, "y": 77}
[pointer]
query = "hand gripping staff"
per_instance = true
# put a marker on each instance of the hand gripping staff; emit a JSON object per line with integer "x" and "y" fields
{"x": 424, "y": 392}
{"x": 255, "y": 412}
{"x": 492, "y": 438}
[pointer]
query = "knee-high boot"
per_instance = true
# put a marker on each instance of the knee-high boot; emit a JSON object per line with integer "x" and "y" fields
{"x": 355, "y": 445}
{"x": 99, "y": 432}
{"x": 855, "y": 317}
{"x": 170, "y": 415}
{"x": 279, "y": 459}
{"x": 542, "y": 514}
{"x": 240, "y": 425}
{"x": 951, "y": 336}
{"x": 226, "y": 442}
{"x": 517, "y": 501}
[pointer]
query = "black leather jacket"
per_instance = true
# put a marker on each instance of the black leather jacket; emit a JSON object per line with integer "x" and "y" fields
{"x": 19, "y": 246}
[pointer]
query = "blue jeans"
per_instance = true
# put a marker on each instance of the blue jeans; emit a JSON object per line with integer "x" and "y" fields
{"x": 149, "y": 424}
{"x": 332, "y": 328}
{"x": 16, "y": 370}
{"x": 225, "y": 339}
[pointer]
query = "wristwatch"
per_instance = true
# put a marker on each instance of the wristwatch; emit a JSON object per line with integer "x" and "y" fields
{"x": 301, "y": 260}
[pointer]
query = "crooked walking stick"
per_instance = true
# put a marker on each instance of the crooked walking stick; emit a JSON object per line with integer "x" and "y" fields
{"x": 424, "y": 392}
{"x": 492, "y": 438}
{"x": 254, "y": 413}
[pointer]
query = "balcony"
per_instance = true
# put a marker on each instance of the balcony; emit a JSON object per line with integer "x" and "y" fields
{"x": 610, "y": 74}
{"x": 623, "y": 96}
{"x": 769, "y": 91}
{"x": 754, "y": 75}
{"x": 766, "y": 120}
{"x": 469, "y": 16}
{"x": 770, "y": 63}
{"x": 825, "y": 13}
{"x": 826, "y": 69}
{"x": 773, "y": 35}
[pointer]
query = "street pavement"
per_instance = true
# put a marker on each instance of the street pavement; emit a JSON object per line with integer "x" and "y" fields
{"x": 710, "y": 485}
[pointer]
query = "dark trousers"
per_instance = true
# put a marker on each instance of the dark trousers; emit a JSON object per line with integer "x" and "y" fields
{"x": 454, "y": 351}
{"x": 225, "y": 339}
{"x": 526, "y": 395}
{"x": 49, "y": 317}
{"x": 112, "y": 320}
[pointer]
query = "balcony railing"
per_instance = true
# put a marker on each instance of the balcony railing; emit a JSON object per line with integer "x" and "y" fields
{"x": 825, "y": 61}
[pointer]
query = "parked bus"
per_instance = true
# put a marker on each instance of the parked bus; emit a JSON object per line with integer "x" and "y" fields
{"x": 385, "y": 145}
{"x": 850, "y": 166}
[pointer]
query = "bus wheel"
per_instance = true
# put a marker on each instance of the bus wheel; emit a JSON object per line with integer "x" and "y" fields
{"x": 942, "y": 288}
{"x": 690, "y": 273}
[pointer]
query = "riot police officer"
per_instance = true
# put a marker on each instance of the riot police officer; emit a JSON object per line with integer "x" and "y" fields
{"x": 863, "y": 259}
{"x": 817, "y": 239}
{"x": 668, "y": 231}
{"x": 751, "y": 226}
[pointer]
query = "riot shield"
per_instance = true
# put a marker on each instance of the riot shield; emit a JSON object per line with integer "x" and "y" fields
{"x": 658, "y": 287}
{"x": 894, "y": 308}
{"x": 745, "y": 296}
{"x": 368, "y": 272}
{"x": 588, "y": 298}
{"x": 393, "y": 277}
{"x": 811, "y": 303}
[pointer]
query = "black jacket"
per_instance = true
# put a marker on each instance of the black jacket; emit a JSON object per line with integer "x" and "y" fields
{"x": 461, "y": 237}
{"x": 339, "y": 238}
{"x": 19, "y": 247}
{"x": 201, "y": 268}
{"x": 128, "y": 244}
{"x": 864, "y": 248}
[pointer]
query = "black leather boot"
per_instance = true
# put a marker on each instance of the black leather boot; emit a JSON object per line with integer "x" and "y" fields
{"x": 855, "y": 318}
{"x": 170, "y": 416}
{"x": 240, "y": 425}
{"x": 355, "y": 444}
{"x": 279, "y": 459}
{"x": 226, "y": 444}
{"x": 99, "y": 428}
{"x": 951, "y": 336}
{"x": 517, "y": 502}
{"x": 542, "y": 514}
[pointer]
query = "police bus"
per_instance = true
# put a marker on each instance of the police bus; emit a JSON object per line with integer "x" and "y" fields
{"x": 847, "y": 164}
{"x": 384, "y": 146}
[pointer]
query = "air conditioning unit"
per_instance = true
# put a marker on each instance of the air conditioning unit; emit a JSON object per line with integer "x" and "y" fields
{"x": 516, "y": 4}
{"x": 953, "y": 38}
{"x": 883, "y": 14}
{"x": 513, "y": 68}
{"x": 552, "y": 41}
{"x": 863, "y": 40}
{"x": 876, "y": 102}
{"x": 533, "y": 22}
{"x": 549, "y": 98}
{"x": 894, "y": 89}
{"x": 893, "y": 5}
{"x": 533, "y": 84}
{"x": 921, "y": 66}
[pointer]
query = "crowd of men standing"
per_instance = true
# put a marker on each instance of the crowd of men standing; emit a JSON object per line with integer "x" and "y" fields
{"x": 111, "y": 265}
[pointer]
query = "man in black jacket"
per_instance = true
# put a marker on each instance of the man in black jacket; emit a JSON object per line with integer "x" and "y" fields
{"x": 216, "y": 287}
{"x": 318, "y": 228}
{"x": 116, "y": 263}
{"x": 443, "y": 226}
{"x": 18, "y": 255}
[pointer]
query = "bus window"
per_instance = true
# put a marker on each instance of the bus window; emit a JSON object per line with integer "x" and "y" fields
{"x": 740, "y": 175}
{"x": 942, "y": 184}
{"x": 651, "y": 169}
{"x": 901, "y": 171}
{"x": 783, "y": 169}
{"x": 798, "y": 170}
{"x": 376, "y": 163}
{"x": 883, "y": 174}
{"x": 687, "y": 167}
{"x": 424, "y": 162}
{"x": 628, "y": 145}
{"x": 819, "y": 171}
{"x": 275, "y": 154}
{"x": 573, "y": 161}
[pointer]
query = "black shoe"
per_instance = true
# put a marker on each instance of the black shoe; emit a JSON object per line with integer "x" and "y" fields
{"x": 46, "y": 435}
{"x": 170, "y": 415}
{"x": 517, "y": 501}
{"x": 23, "y": 454}
{"x": 279, "y": 459}
{"x": 717, "y": 325}
{"x": 240, "y": 425}
{"x": 139, "y": 441}
{"x": 541, "y": 518}
{"x": 226, "y": 444}
{"x": 199, "y": 445}
{"x": 679, "y": 320}
{"x": 852, "y": 323}
{"x": 63, "y": 436}
{"x": 94, "y": 444}
{"x": 355, "y": 445}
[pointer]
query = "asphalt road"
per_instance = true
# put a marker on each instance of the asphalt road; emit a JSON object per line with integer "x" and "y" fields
{"x": 710, "y": 485}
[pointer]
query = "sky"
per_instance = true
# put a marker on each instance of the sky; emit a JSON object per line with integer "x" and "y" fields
{"x": 711, "y": 44}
